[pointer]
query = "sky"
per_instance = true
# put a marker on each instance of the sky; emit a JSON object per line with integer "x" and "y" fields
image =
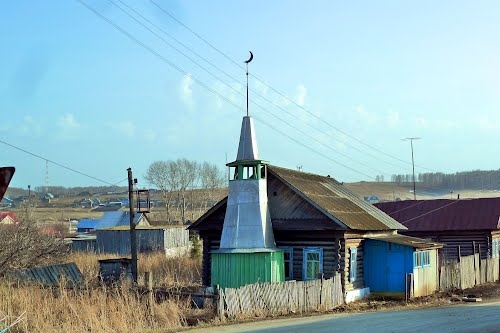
{"x": 334, "y": 86}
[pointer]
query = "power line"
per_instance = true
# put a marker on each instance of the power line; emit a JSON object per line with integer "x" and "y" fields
{"x": 432, "y": 211}
{"x": 204, "y": 85}
{"x": 281, "y": 94}
{"x": 232, "y": 88}
{"x": 210, "y": 89}
{"x": 59, "y": 164}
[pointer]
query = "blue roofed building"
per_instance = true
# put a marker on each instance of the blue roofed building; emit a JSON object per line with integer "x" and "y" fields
{"x": 86, "y": 225}
{"x": 109, "y": 220}
{"x": 117, "y": 219}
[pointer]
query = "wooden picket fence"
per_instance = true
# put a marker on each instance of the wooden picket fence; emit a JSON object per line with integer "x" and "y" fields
{"x": 278, "y": 298}
{"x": 469, "y": 272}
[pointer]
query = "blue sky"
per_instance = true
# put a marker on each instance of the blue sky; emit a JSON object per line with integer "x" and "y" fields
{"x": 357, "y": 76}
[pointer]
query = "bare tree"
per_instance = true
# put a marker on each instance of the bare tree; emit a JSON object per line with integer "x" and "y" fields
{"x": 159, "y": 174}
{"x": 23, "y": 245}
{"x": 179, "y": 180}
{"x": 211, "y": 179}
{"x": 188, "y": 176}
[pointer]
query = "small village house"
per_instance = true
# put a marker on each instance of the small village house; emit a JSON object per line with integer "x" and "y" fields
{"x": 323, "y": 229}
{"x": 464, "y": 226}
{"x": 111, "y": 219}
{"x": 8, "y": 218}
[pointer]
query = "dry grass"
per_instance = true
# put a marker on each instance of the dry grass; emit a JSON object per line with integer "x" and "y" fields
{"x": 89, "y": 310}
{"x": 99, "y": 308}
{"x": 167, "y": 271}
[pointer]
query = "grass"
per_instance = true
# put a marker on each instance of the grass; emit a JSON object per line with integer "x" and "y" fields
{"x": 167, "y": 271}
{"x": 100, "y": 308}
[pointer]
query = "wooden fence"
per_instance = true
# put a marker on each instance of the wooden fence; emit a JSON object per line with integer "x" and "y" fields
{"x": 469, "y": 272}
{"x": 278, "y": 298}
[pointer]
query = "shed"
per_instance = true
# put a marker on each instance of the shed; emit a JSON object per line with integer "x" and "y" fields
{"x": 82, "y": 244}
{"x": 396, "y": 265}
{"x": 112, "y": 270}
{"x": 172, "y": 240}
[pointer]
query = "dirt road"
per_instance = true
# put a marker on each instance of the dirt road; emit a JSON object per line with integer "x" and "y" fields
{"x": 469, "y": 317}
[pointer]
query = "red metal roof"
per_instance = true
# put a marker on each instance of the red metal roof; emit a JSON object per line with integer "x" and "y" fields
{"x": 5, "y": 214}
{"x": 445, "y": 214}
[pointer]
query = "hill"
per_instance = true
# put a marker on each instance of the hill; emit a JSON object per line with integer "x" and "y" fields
{"x": 392, "y": 191}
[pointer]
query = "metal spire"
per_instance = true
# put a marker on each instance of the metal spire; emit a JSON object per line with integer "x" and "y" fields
{"x": 246, "y": 62}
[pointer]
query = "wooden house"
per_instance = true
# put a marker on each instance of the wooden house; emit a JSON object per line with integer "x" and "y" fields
{"x": 8, "y": 218}
{"x": 464, "y": 226}
{"x": 324, "y": 229}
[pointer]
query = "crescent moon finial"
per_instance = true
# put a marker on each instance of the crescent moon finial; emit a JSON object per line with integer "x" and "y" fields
{"x": 251, "y": 57}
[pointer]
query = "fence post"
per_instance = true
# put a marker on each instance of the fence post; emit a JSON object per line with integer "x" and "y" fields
{"x": 406, "y": 288}
{"x": 476, "y": 267}
{"x": 321, "y": 292}
{"x": 148, "y": 279}
{"x": 411, "y": 285}
{"x": 219, "y": 302}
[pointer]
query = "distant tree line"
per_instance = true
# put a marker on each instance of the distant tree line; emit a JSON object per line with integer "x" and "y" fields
{"x": 476, "y": 179}
{"x": 181, "y": 178}
{"x": 61, "y": 191}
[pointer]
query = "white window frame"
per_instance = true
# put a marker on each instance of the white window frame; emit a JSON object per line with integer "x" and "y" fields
{"x": 421, "y": 259}
{"x": 289, "y": 250}
{"x": 495, "y": 247}
{"x": 353, "y": 263}
{"x": 307, "y": 251}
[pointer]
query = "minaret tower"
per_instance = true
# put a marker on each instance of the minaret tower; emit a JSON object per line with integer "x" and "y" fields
{"x": 247, "y": 252}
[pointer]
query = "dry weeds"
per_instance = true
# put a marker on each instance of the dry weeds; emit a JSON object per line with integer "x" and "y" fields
{"x": 99, "y": 308}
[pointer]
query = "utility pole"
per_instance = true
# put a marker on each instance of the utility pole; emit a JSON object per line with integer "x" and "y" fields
{"x": 133, "y": 236}
{"x": 412, "y": 164}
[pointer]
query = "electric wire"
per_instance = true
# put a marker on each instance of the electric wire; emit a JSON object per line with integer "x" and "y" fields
{"x": 240, "y": 108}
{"x": 242, "y": 84}
{"x": 204, "y": 85}
{"x": 281, "y": 94}
{"x": 59, "y": 164}
{"x": 239, "y": 92}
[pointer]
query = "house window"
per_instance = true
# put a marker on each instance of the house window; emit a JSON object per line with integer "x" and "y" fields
{"x": 495, "y": 248}
{"x": 312, "y": 263}
{"x": 421, "y": 259}
{"x": 353, "y": 266}
{"x": 288, "y": 260}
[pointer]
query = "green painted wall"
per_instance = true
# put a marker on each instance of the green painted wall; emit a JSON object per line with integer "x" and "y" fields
{"x": 232, "y": 270}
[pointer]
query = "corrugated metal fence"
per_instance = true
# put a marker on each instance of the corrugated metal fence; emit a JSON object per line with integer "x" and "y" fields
{"x": 469, "y": 272}
{"x": 278, "y": 298}
{"x": 51, "y": 275}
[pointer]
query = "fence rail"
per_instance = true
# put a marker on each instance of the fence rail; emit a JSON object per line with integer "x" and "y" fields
{"x": 469, "y": 272}
{"x": 278, "y": 298}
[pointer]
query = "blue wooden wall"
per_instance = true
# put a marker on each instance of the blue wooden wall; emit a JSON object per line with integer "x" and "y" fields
{"x": 385, "y": 265}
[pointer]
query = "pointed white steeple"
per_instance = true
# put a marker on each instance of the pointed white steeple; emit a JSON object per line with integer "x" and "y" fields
{"x": 247, "y": 223}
